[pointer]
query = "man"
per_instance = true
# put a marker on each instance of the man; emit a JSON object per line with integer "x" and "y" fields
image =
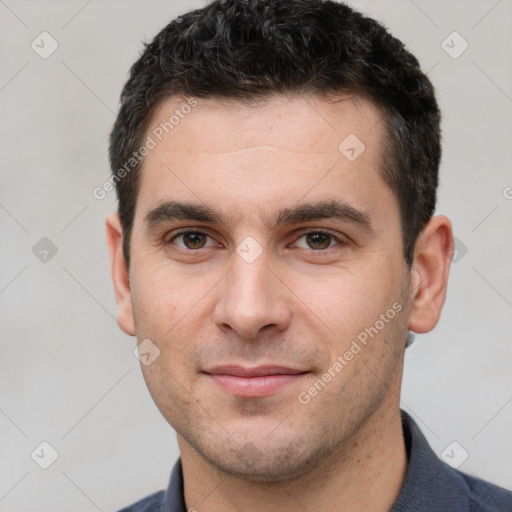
{"x": 276, "y": 165}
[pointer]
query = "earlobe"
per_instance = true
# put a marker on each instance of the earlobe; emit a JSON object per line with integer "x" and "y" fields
{"x": 431, "y": 266}
{"x": 120, "y": 274}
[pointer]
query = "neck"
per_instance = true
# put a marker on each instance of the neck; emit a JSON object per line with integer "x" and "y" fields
{"x": 366, "y": 474}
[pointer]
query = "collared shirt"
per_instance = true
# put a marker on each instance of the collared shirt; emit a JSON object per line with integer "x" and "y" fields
{"x": 430, "y": 485}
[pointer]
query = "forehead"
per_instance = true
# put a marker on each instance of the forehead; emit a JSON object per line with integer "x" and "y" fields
{"x": 292, "y": 121}
{"x": 274, "y": 152}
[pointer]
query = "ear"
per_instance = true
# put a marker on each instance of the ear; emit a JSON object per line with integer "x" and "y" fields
{"x": 120, "y": 274}
{"x": 431, "y": 266}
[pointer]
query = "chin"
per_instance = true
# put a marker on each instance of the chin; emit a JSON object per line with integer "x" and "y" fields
{"x": 265, "y": 462}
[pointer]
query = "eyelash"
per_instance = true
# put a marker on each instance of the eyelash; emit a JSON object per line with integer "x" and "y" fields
{"x": 302, "y": 235}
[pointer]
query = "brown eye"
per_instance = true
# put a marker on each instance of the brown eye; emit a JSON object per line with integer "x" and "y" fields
{"x": 194, "y": 240}
{"x": 318, "y": 241}
{"x": 191, "y": 240}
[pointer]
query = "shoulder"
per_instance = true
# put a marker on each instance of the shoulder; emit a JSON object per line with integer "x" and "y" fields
{"x": 151, "y": 503}
{"x": 486, "y": 497}
{"x": 431, "y": 484}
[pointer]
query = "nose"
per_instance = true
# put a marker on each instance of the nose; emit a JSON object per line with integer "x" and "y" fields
{"x": 252, "y": 299}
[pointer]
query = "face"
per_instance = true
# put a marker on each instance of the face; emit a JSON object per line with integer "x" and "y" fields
{"x": 267, "y": 269}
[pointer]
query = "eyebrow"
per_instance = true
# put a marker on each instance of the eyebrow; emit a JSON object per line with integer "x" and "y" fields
{"x": 332, "y": 209}
{"x": 324, "y": 210}
{"x": 176, "y": 210}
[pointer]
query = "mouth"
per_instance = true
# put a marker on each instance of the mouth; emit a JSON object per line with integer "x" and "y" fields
{"x": 257, "y": 382}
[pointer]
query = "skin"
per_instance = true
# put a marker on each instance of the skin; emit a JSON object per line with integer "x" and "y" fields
{"x": 298, "y": 304}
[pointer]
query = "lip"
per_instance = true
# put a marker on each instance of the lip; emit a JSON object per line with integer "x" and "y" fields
{"x": 256, "y": 382}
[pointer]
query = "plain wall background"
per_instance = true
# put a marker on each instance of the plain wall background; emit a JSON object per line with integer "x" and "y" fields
{"x": 67, "y": 373}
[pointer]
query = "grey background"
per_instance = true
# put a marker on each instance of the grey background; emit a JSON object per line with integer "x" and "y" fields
{"x": 67, "y": 373}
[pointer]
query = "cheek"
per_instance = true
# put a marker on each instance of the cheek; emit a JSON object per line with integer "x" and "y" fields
{"x": 163, "y": 296}
{"x": 173, "y": 311}
{"x": 346, "y": 301}
{"x": 169, "y": 317}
